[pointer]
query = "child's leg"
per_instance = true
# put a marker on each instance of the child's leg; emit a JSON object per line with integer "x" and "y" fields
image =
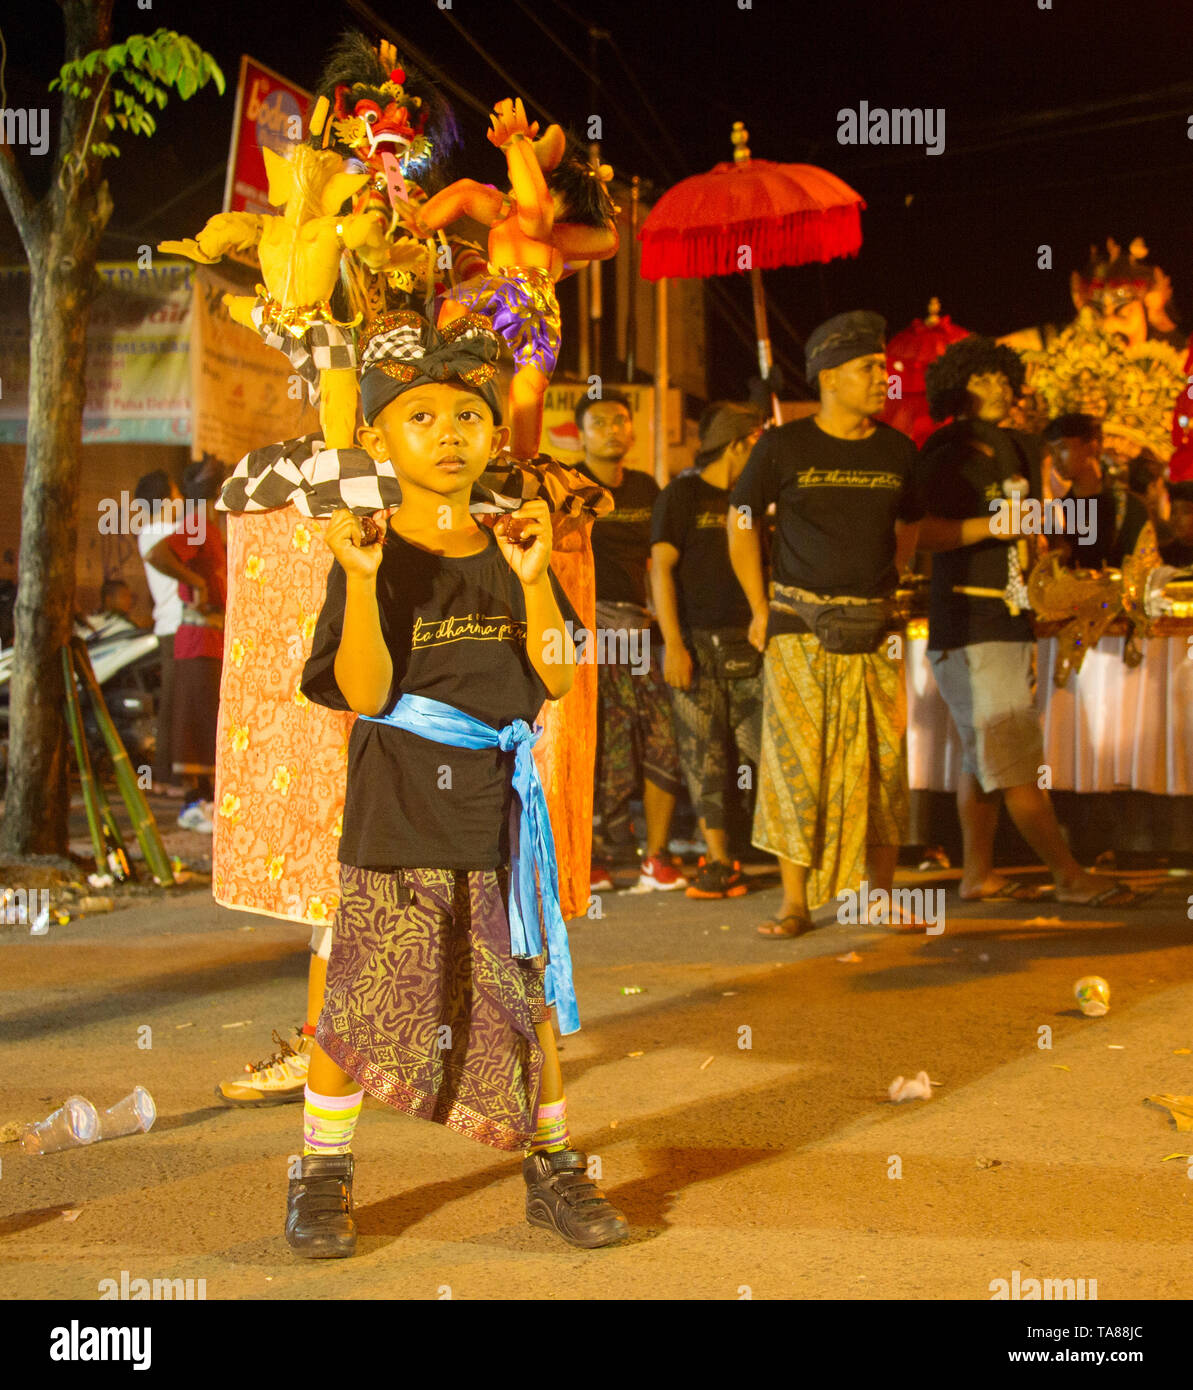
{"x": 552, "y": 1087}
{"x": 561, "y": 1194}
{"x": 316, "y": 988}
{"x": 551, "y": 1122}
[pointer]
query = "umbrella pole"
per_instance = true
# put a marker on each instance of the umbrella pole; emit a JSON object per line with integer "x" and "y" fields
{"x": 762, "y": 333}
{"x": 662, "y": 474}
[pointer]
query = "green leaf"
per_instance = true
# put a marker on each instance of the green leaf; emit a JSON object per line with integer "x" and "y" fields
{"x": 110, "y": 121}
{"x": 188, "y": 83}
{"x": 88, "y": 64}
{"x": 160, "y": 94}
{"x": 54, "y": 83}
{"x": 171, "y": 64}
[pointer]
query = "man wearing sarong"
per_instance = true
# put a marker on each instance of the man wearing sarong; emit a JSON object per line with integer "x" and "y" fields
{"x": 832, "y": 786}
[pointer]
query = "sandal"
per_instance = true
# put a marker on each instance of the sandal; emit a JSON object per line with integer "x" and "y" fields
{"x": 791, "y": 925}
{"x": 1115, "y": 895}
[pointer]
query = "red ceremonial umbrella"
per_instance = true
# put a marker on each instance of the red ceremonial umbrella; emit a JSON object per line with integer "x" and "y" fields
{"x": 755, "y": 215}
{"x": 909, "y": 354}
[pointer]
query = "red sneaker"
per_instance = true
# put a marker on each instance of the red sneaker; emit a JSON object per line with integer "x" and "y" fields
{"x": 658, "y": 876}
{"x": 600, "y": 880}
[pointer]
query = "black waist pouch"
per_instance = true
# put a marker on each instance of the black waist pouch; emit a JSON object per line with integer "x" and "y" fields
{"x": 848, "y": 629}
{"x": 732, "y": 656}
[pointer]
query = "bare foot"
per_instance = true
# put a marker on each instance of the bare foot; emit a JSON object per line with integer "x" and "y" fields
{"x": 989, "y": 887}
{"x": 1083, "y": 888}
{"x": 902, "y": 921}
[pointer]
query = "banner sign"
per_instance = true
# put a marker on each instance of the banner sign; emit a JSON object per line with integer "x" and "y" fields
{"x": 271, "y": 113}
{"x": 138, "y": 345}
{"x": 246, "y": 395}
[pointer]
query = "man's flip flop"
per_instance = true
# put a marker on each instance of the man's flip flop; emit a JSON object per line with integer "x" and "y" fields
{"x": 1020, "y": 890}
{"x": 791, "y": 925}
{"x": 1115, "y": 895}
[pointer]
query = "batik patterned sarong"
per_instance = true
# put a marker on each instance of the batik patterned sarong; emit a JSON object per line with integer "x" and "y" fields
{"x": 426, "y": 1008}
{"x": 833, "y": 775}
{"x": 709, "y": 715}
{"x": 520, "y": 303}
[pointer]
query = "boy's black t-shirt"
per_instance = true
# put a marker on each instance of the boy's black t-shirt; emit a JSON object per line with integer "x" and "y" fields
{"x": 691, "y": 515}
{"x": 456, "y": 632}
{"x": 837, "y": 504}
{"x": 1109, "y": 543}
{"x": 621, "y": 538}
{"x": 958, "y": 480}
{"x": 1177, "y": 553}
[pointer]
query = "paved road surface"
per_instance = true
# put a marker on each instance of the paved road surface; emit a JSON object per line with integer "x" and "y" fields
{"x": 772, "y": 1169}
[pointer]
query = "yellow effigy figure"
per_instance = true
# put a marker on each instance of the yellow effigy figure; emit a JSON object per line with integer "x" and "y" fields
{"x": 300, "y": 253}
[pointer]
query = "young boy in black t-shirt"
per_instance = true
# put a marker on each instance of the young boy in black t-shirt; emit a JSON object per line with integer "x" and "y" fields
{"x": 445, "y": 639}
{"x": 713, "y": 671}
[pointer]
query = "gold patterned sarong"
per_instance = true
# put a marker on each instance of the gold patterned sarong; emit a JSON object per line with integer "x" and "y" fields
{"x": 833, "y": 774}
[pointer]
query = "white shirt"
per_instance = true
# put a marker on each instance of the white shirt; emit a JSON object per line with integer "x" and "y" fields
{"x": 167, "y": 605}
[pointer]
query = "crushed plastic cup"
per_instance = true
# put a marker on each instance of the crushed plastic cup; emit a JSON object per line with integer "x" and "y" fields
{"x": 1093, "y": 996}
{"x": 73, "y": 1124}
{"x": 134, "y": 1114}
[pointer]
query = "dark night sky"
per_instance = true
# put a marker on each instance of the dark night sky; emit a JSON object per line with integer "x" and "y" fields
{"x": 1062, "y": 126}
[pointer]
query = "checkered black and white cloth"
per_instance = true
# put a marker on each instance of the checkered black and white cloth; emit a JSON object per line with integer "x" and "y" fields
{"x": 324, "y": 347}
{"x": 317, "y": 481}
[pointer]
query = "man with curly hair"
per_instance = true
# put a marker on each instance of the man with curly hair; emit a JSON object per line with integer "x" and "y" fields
{"x": 982, "y": 651}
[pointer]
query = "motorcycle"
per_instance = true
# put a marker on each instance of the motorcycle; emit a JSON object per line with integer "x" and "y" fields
{"x": 127, "y": 664}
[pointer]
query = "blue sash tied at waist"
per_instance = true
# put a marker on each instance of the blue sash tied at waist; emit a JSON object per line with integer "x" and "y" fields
{"x": 532, "y": 845}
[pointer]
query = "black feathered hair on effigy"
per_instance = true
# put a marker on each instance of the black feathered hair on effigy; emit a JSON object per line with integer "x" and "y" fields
{"x": 946, "y": 379}
{"x": 355, "y": 63}
{"x": 585, "y": 195}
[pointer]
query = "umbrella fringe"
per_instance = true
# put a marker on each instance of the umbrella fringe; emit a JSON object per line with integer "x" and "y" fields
{"x": 797, "y": 239}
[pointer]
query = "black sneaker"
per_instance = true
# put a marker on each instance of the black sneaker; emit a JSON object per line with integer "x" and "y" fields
{"x": 714, "y": 879}
{"x": 319, "y": 1222}
{"x": 561, "y": 1197}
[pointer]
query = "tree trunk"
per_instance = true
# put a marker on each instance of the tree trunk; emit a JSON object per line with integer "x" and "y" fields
{"x": 69, "y": 223}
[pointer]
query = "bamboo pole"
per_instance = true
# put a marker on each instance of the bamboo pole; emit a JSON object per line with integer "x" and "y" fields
{"x": 138, "y": 809}
{"x": 662, "y": 381}
{"x": 117, "y": 855}
{"x": 74, "y": 719}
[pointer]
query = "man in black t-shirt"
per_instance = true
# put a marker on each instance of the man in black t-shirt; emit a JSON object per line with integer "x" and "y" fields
{"x": 1179, "y": 550}
{"x": 981, "y": 652}
{"x": 1117, "y": 522}
{"x": 705, "y": 619}
{"x": 832, "y": 787}
{"x": 636, "y": 750}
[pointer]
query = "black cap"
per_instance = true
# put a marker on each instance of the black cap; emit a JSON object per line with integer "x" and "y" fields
{"x": 858, "y": 333}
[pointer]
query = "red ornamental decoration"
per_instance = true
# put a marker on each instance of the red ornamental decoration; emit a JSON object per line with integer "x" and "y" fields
{"x": 785, "y": 214}
{"x": 908, "y": 356}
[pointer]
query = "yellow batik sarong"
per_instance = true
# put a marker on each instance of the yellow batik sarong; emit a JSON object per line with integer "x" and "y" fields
{"x": 833, "y": 772}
